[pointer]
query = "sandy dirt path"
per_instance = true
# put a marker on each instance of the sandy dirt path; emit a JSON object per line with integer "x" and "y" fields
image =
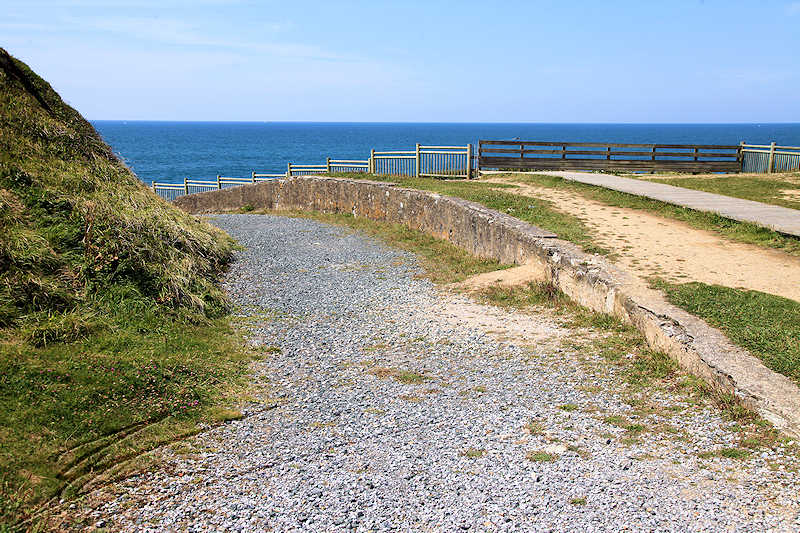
{"x": 649, "y": 245}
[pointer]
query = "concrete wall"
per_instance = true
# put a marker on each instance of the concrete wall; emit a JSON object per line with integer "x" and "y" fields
{"x": 586, "y": 279}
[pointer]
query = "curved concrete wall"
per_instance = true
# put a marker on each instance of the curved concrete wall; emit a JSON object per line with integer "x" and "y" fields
{"x": 586, "y": 279}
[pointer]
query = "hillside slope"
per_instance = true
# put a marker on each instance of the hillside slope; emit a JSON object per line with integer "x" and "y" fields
{"x": 113, "y": 334}
{"x": 77, "y": 223}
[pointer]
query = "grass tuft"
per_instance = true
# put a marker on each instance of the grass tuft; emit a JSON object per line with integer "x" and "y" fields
{"x": 540, "y": 457}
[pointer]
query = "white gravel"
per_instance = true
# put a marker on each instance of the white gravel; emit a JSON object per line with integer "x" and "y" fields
{"x": 349, "y": 448}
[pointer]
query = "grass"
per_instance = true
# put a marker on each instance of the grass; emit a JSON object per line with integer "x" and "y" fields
{"x": 766, "y": 188}
{"x": 534, "y": 427}
{"x": 536, "y": 211}
{"x": 729, "y": 453}
{"x": 731, "y": 229}
{"x": 114, "y": 335}
{"x": 540, "y": 457}
{"x": 767, "y": 326}
{"x": 473, "y": 453}
{"x": 578, "y": 501}
{"x": 406, "y": 377}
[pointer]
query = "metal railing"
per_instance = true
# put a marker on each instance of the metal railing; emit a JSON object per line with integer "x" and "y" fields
{"x": 444, "y": 161}
{"x": 394, "y": 162}
{"x": 769, "y": 158}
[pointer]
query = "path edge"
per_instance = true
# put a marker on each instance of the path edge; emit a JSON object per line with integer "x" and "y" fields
{"x": 588, "y": 280}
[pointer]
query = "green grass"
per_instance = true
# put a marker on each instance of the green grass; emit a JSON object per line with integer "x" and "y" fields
{"x": 441, "y": 261}
{"x": 539, "y": 212}
{"x": 767, "y": 326}
{"x": 540, "y": 457}
{"x": 473, "y": 453}
{"x": 113, "y": 330}
{"x": 764, "y": 188}
{"x": 729, "y": 453}
{"x": 70, "y": 411}
{"x": 731, "y": 229}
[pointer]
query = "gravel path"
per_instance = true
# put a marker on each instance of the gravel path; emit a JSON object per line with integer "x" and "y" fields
{"x": 392, "y": 405}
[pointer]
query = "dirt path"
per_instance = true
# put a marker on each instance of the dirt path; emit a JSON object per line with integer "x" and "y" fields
{"x": 650, "y": 245}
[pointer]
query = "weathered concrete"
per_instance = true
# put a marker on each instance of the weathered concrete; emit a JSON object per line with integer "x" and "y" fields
{"x": 588, "y": 280}
{"x": 781, "y": 219}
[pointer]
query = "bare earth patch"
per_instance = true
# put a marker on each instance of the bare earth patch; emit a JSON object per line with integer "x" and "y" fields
{"x": 649, "y": 245}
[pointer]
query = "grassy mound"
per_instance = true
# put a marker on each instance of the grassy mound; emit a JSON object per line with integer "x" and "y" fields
{"x": 111, "y": 321}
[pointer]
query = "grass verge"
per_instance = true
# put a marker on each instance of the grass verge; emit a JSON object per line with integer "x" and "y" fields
{"x": 731, "y": 229}
{"x": 767, "y": 326}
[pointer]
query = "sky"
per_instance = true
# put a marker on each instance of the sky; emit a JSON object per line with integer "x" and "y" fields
{"x": 429, "y": 61}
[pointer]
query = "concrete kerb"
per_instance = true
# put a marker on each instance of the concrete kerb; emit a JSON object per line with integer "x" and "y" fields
{"x": 588, "y": 280}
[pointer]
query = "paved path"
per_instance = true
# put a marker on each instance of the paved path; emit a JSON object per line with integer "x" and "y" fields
{"x": 781, "y": 219}
{"x": 401, "y": 407}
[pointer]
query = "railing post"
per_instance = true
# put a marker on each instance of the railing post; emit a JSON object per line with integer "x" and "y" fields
{"x": 288, "y": 170}
{"x": 371, "y": 165}
{"x": 186, "y": 185}
{"x": 253, "y": 176}
{"x": 328, "y": 165}
{"x": 219, "y": 182}
{"x": 153, "y": 183}
{"x": 469, "y": 161}
{"x": 416, "y": 161}
{"x": 771, "y": 163}
{"x": 478, "y": 161}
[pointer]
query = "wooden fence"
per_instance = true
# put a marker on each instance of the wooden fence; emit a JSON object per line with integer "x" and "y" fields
{"x": 769, "y": 158}
{"x": 542, "y": 155}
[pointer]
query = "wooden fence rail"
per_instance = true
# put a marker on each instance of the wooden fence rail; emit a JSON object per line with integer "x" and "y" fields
{"x": 547, "y": 155}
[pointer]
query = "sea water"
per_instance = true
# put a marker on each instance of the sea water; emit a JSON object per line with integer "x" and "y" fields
{"x": 172, "y": 151}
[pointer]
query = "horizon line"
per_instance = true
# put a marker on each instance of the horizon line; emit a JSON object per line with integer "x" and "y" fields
{"x": 436, "y": 122}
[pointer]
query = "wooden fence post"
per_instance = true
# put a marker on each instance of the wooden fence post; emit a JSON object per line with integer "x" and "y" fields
{"x": 219, "y": 182}
{"x": 153, "y": 183}
{"x": 416, "y": 161}
{"x": 253, "y": 176}
{"x": 740, "y": 156}
{"x": 469, "y": 161}
{"x": 371, "y": 165}
{"x": 771, "y": 163}
{"x": 328, "y": 165}
{"x": 288, "y": 170}
{"x": 186, "y": 185}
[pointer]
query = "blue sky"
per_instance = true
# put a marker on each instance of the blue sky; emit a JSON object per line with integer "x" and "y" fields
{"x": 638, "y": 61}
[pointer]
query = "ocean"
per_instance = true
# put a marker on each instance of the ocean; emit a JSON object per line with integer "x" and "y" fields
{"x": 172, "y": 151}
